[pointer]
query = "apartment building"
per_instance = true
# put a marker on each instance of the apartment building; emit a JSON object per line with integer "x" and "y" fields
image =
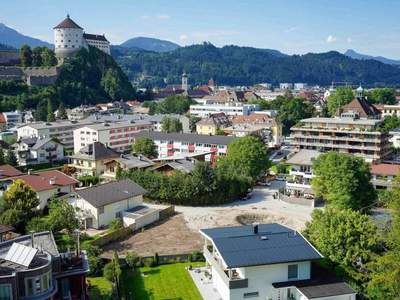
{"x": 117, "y": 136}
{"x": 32, "y": 267}
{"x": 228, "y": 108}
{"x": 61, "y": 130}
{"x": 359, "y": 137}
{"x": 212, "y": 124}
{"x": 10, "y": 119}
{"x": 170, "y": 144}
{"x": 298, "y": 183}
{"x": 390, "y": 110}
{"x": 266, "y": 261}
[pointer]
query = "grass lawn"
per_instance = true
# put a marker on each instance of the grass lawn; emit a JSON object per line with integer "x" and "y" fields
{"x": 165, "y": 282}
{"x": 100, "y": 288}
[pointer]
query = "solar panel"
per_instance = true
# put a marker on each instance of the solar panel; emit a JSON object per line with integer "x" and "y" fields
{"x": 21, "y": 254}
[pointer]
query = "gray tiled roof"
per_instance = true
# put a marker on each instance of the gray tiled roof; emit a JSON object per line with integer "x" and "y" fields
{"x": 97, "y": 37}
{"x": 239, "y": 246}
{"x": 111, "y": 192}
{"x": 304, "y": 157}
{"x": 41, "y": 142}
{"x": 186, "y": 137}
{"x": 95, "y": 151}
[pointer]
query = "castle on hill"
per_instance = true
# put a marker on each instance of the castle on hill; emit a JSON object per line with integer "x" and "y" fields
{"x": 69, "y": 37}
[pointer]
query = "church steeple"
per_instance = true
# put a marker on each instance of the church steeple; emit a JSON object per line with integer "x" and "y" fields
{"x": 360, "y": 92}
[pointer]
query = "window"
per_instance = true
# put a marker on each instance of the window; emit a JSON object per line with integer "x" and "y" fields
{"x": 293, "y": 271}
{"x": 37, "y": 285}
{"x": 5, "y": 292}
{"x": 101, "y": 210}
{"x": 250, "y": 295}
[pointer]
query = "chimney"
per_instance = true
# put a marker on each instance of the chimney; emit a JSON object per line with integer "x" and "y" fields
{"x": 255, "y": 228}
{"x": 29, "y": 171}
{"x": 52, "y": 181}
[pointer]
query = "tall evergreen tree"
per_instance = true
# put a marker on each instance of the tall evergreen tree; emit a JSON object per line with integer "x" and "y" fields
{"x": 37, "y": 57}
{"x": 50, "y": 113}
{"x": 62, "y": 114}
{"x": 25, "y": 56}
{"x": 48, "y": 57}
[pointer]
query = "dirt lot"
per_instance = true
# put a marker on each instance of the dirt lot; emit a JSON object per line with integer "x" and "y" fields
{"x": 180, "y": 233}
{"x": 170, "y": 237}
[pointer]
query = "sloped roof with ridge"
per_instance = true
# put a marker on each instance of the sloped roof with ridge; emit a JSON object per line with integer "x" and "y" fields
{"x": 67, "y": 23}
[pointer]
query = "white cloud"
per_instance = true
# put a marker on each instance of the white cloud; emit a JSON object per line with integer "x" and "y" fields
{"x": 163, "y": 17}
{"x": 183, "y": 37}
{"x": 331, "y": 39}
{"x": 349, "y": 40}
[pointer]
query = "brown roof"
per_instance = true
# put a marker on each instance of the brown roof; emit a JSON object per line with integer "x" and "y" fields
{"x": 7, "y": 171}
{"x": 67, "y": 23}
{"x": 253, "y": 118}
{"x": 218, "y": 119}
{"x": 385, "y": 169}
{"x": 362, "y": 107}
{"x": 41, "y": 181}
{"x": 2, "y": 118}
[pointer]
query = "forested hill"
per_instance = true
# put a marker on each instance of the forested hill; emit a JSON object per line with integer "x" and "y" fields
{"x": 233, "y": 65}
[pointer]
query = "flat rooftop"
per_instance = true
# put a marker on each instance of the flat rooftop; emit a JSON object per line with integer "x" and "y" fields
{"x": 370, "y": 122}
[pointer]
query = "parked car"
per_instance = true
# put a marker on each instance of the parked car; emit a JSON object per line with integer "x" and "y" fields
{"x": 280, "y": 178}
{"x": 263, "y": 183}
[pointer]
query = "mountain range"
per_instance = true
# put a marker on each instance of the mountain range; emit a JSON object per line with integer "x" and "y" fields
{"x": 13, "y": 38}
{"x": 150, "y": 44}
{"x": 353, "y": 54}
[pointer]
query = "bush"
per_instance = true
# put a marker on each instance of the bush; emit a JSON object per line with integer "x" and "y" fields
{"x": 132, "y": 259}
{"x": 196, "y": 256}
{"x": 88, "y": 180}
{"x": 149, "y": 262}
{"x": 116, "y": 224}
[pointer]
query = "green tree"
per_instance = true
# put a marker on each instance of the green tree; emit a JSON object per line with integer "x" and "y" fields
{"x": 192, "y": 122}
{"x": 62, "y": 113}
{"x": 48, "y": 57}
{"x": 41, "y": 111}
{"x": 382, "y": 96}
{"x": 131, "y": 259}
{"x": 50, "y": 113}
{"x": 385, "y": 271}
{"x": 2, "y": 158}
{"x": 25, "y": 56}
{"x": 112, "y": 272}
{"x": 342, "y": 96}
{"x": 10, "y": 158}
{"x": 174, "y": 105}
{"x": 151, "y": 105}
{"x": 247, "y": 156}
{"x": 21, "y": 197}
{"x": 37, "y": 57}
{"x": 145, "y": 146}
{"x": 62, "y": 215}
{"x": 169, "y": 124}
{"x": 346, "y": 237}
{"x": 389, "y": 123}
{"x": 292, "y": 111}
{"x": 343, "y": 181}
{"x": 111, "y": 84}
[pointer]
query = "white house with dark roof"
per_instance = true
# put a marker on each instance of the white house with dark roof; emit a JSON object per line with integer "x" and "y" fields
{"x": 38, "y": 150}
{"x": 99, "y": 205}
{"x": 266, "y": 261}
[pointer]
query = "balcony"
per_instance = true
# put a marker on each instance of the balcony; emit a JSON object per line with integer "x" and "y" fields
{"x": 235, "y": 282}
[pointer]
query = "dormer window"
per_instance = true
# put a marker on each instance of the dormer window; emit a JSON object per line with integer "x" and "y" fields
{"x": 293, "y": 272}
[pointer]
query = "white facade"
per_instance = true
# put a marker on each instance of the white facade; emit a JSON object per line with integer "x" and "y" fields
{"x": 12, "y": 118}
{"x": 100, "y": 43}
{"x": 97, "y": 217}
{"x": 67, "y": 41}
{"x": 286, "y": 86}
{"x": 230, "y": 109}
{"x": 300, "y": 86}
{"x": 117, "y": 136}
{"x": 51, "y": 151}
{"x": 391, "y": 110}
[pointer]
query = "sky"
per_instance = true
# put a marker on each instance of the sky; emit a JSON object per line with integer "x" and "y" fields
{"x": 291, "y": 26}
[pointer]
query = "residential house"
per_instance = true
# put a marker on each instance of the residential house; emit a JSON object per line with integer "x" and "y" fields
{"x": 92, "y": 159}
{"x": 99, "y": 205}
{"x": 212, "y": 124}
{"x": 267, "y": 261}
{"x": 10, "y": 119}
{"x": 268, "y": 128}
{"x": 384, "y": 174}
{"x": 48, "y": 184}
{"x": 298, "y": 184}
{"x": 38, "y": 150}
{"x": 6, "y": 173}
{"x": 118, "y": 136}
{"x": 41, "y": 272}
{"x": 185, "y": 165}
{"x": 395, "y": 137}
{"x": 389, "y": 110}
{"x": 81, "y": 112}
{"x": 170, "y": 144}
{"x": 126, "y": 162}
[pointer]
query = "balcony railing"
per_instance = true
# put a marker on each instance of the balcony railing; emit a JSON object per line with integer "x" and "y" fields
{"x": 232, "y": 283}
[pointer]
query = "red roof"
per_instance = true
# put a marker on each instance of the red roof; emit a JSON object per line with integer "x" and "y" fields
{"x": 8, "y": 171}
{"x": 385, "y": 169}
{"x": 41, "y": 181}
{"x": 2, "y": 118}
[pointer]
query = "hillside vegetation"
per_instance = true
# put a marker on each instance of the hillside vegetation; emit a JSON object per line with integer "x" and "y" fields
{"x": 233, "y": 65}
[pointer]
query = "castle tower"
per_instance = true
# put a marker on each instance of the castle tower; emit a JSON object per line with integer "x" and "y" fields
{"x": 185, "y": 86}
{"x": 68, "y": 39}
